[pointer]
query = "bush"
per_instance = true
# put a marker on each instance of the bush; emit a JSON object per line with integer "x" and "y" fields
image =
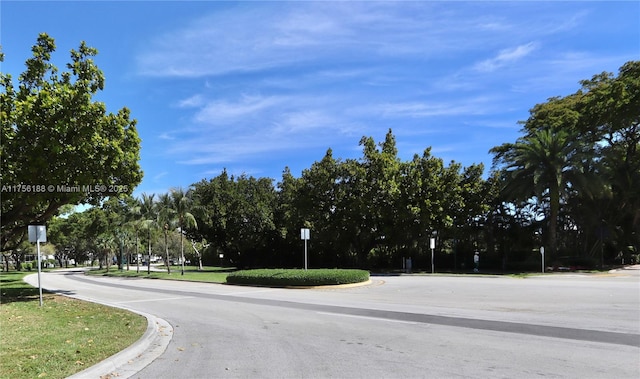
{"x": 297, "y": 277}
{"x": 26, "y": 266}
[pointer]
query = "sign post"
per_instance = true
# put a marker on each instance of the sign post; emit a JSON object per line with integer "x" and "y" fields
{"x": 432, "y": 243}
{"x": 542, "y": 253}
{"x": 37, "y": 234}
{"x": 304, "y": 234}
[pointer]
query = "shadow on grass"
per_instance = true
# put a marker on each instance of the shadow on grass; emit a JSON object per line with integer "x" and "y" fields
{"x": 14, "y": 289}
{"x": 229, "y": 269}
{"x": 205, "y": 269}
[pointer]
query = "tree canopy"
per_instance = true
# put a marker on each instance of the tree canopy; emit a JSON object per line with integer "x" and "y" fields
{"x": 58, "y": 145}
{"x": 569, "y": 183}
{"x": 580, "y": 158}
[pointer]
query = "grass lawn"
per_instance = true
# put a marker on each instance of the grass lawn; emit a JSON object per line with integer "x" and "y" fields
{"x": 62, "y": 337}
{"x": 191, "y": 273}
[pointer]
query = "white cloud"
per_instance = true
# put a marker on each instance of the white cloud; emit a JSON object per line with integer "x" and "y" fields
{"x": 198, "y": 151}
{"x": 160, "y": 175}
{"x": 506, "y": 57}
{"x": 277, "y": 133}
{"x": 259, "y": 37}
{"x": 191, "y": 102}
{"x": 305, "y": 120}
{"x": 166, "y": 136}
{"x": 433, "y": 108}
{"x": 225, "y": 111}
{"x": 289, "y": 79}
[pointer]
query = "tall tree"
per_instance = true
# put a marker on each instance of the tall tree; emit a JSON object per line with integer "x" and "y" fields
{"x": 213, "y": 199}
{"x": 71, "y": 236}
{"x": 149, "y": 216}
{"x": 381, "y": 192}
{"x": 317, "y": 202}
{"x": 165, "y": 213}
{"x": 543, "y": 164}
{"x": 237, "y": 216}
{"x": 182, "y": 203}
{"x": 288, "y": 217}
{"x": 593, "y": 138}
{"x": 58, "y": 145}
{"x": 115, "y": 209}
{"x": 134, "y": 222}
{"x": 610, "y": 109}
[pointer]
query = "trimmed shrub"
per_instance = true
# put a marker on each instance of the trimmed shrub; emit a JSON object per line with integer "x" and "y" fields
{"x": 26, "y": 266}
{"x": 297, "y": 277}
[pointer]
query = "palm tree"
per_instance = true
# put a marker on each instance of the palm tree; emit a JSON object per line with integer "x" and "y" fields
{"x": 543, "y": 164}
{"x": 165, "y": 214}
{"x": 182, "y": 203}
{"x": 149, "y": 216}
{"x": 105, "y": 243}
{"x": 133, "y": 217}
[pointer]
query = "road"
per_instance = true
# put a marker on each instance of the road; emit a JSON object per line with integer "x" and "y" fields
{"x": 410, "y": 326}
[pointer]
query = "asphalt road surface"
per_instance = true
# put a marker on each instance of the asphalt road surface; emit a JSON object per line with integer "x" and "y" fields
{"x": 410, "y": 326}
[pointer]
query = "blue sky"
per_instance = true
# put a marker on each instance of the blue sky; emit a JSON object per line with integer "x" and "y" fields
{"x": 256, "y": 86}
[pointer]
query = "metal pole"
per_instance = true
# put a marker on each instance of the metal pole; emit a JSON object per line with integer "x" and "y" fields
{"x": 39, "y": 264}
{"x": 304, "y": 234}
{"x": 432, "y": 267}
{"x": 305, "y": 254}
{"x": 432, "y": 243}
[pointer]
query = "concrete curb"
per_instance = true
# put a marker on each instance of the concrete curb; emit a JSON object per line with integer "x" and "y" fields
{"x": 328, "y": 286}
{"x": 337, "y": 286}
{"x": 134, "y": 358}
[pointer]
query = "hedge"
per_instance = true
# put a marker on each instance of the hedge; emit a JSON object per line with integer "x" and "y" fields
{"x": 297, "y": 277}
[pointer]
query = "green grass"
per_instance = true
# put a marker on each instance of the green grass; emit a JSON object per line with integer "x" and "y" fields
{"x": 191, "y": 273}
{"x": 62, "y": 337}
{"x": 297, "y": 277}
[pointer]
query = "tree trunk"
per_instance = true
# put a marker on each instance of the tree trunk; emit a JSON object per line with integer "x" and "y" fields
{"x": 181, "y": 251}
{"x": 554, "y": 208}
{"x": 137, "y": 255}
{"x": 166, "y": 249}
{"x": 149, "y": 260}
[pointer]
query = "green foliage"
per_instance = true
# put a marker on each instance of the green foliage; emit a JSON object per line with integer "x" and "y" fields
{"x": 544, "y": 164}
{"x": 579, "y": 159}
{"x": 55, "y": 137}
{"x": 574, "y": 174}
{"x": 297, "y": 277}
{"x": 148, "y": 216}
{"x": 236, "y": 216}
{"x": 26, "y": 266}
